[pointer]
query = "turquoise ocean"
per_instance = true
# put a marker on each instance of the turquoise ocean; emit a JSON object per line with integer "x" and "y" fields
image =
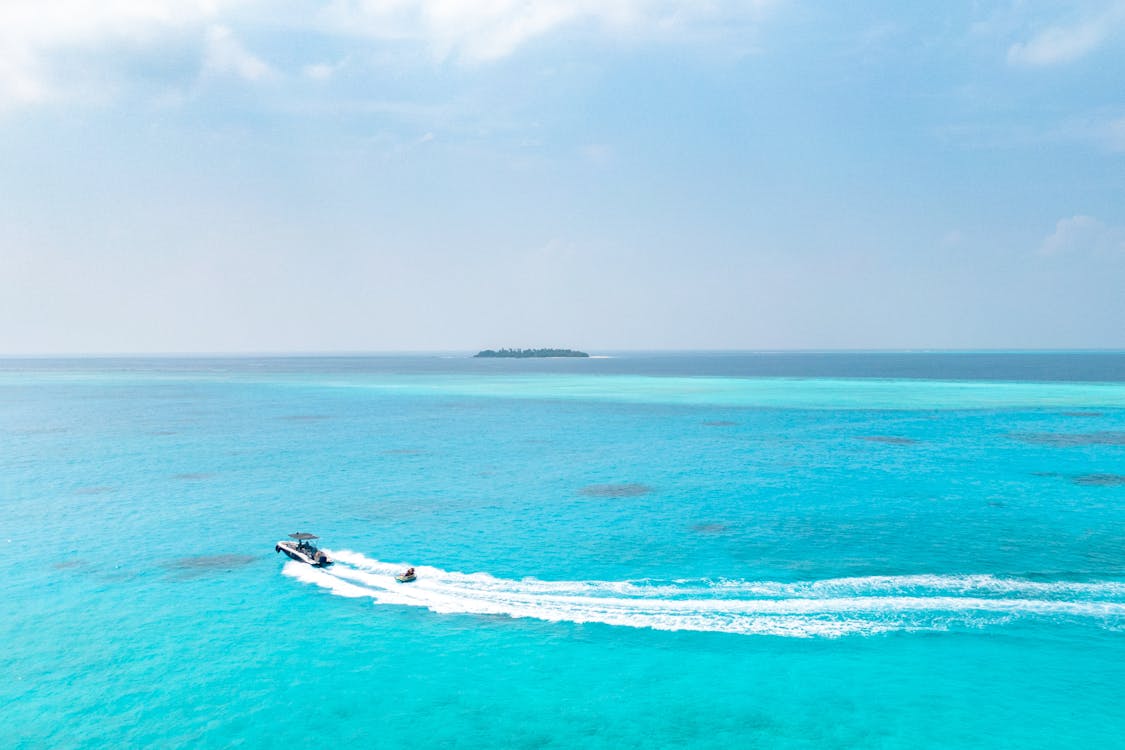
{"x": 688, "y": 550}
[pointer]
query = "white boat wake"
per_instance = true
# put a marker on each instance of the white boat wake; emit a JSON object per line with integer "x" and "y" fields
{"x": 826, "y": 608}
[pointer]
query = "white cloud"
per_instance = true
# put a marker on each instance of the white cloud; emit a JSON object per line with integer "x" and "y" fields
{"x": 225, "y": 55}
{"x": 1065, "y": 43}
{"x": 1084, "y": 235}
{"x": 1058, "y": 45}
{"x": 319, "y": 71}
{"x": 485, "y": 30}
{"x": 41, "y": 40}
{"x": 20, "y": 77}
{"x": 33, "y": 32}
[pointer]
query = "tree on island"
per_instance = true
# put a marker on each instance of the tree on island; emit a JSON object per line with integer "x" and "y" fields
{"x": 524, "y": 353}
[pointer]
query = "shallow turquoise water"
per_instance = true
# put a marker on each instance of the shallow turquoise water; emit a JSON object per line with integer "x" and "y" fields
{"x": 607, "y": 560}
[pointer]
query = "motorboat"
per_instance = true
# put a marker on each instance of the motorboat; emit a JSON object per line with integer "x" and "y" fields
{"x": 302, "y": 549}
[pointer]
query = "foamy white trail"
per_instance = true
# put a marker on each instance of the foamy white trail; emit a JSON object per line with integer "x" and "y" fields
{"x": 832, "y": 607}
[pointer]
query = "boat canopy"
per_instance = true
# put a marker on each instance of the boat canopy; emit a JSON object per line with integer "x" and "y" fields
{"x": 303, "y": 537}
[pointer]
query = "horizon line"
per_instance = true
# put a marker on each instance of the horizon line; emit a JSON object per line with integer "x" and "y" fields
{"x": 356, "y": 353}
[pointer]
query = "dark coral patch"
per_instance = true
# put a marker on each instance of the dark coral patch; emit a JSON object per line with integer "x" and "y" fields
{"x": 616, "y": 490}
{"x": 198, "y": 566}
{"x": 889, "y": 439}
{"x": 1100, "y": 480}
{"x": 1070, "y": 439}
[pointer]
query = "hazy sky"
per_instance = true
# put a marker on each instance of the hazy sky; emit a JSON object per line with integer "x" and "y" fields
{"x": 242, "y": 175}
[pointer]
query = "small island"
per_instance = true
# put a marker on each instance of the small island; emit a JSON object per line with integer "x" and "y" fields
{"x": 524, "y": 353}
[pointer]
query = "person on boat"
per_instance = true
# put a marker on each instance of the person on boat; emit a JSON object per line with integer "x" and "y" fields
{"x": 409, "y": 572}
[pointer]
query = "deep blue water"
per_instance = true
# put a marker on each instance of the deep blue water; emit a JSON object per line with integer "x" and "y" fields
{"x": 650, "y": 550}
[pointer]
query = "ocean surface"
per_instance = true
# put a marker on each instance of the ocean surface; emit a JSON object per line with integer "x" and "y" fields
{"x": 689, "y": 550}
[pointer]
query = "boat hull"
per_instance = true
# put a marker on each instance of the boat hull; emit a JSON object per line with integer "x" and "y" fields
{"x": 405, "y": 579}
{"x": 314, "y": 557}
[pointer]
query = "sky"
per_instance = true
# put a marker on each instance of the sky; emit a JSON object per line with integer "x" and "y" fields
{"x": 382, "y": 175}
